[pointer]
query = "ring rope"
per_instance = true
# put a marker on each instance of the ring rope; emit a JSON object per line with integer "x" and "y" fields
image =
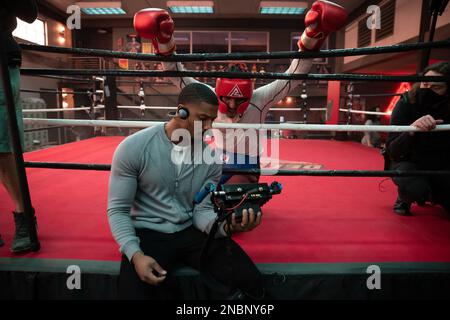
{"x": 257, "y": 126}
{"x": 265, "y": 172}
{"x": 298, "y": 109}
{"x": 366, "y": 112}
{"x": 240, "y": 56}
{"x": 58, "y": 92}
{"x": 147, "y": 94}
{"x": 233, "y": 75}
{"x": 367, "y": 95}
{"x": 147, "y": 108}
{"x": 175, "y": 108}
{"x": 61, "y": 109}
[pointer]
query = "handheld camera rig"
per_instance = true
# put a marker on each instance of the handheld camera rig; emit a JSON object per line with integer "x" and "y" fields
{"x": 232, "y": 198}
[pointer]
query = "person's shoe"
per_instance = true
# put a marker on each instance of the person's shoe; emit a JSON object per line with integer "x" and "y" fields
{"x": 1, "y": 241}
{"x": 21, "y": 242}
{"x": 402, "y": 208}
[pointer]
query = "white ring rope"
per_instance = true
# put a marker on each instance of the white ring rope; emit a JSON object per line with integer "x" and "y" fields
{"x": 282, "y": 126}
{"x": 298, "y": 109}
{"x": 148, "y": 108}
{"x": 175, "y": 108}
{"x": 92, "y": 123}
{"x": 366, "y": 112}
{"x": 62, "y": 109}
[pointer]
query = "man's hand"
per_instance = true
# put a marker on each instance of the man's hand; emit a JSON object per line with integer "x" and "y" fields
{"x": 426, "y": 123}
{"x": 156, "y": 25}
{"x": 148, "y": 269}
{"x": 250, "y": 220}
{"x": 323, "y": 18}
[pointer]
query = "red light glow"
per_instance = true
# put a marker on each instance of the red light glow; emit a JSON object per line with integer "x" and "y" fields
{"x": 404, "y": 86}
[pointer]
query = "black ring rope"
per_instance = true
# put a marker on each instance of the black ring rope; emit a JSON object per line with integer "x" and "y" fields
{"x": 240, "y": 56}
{"x": 233, "y": 75}
{"x": 154, "y": 95}
{"x": 269, "y": 172}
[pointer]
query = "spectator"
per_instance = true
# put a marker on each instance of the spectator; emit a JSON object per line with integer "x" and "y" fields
{"x": 371, "y": 138}
{"x": 424, "y": 107}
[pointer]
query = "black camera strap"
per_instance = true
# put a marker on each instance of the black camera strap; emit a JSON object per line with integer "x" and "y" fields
{"x": 205, "y": 272}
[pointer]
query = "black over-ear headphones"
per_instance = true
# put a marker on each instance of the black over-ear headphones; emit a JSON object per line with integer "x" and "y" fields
{"x": 183, "y": 113}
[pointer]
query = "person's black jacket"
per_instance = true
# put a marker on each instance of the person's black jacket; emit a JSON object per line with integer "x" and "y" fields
{"x": 25, "y": 10}
{"x": 428, "y": 150}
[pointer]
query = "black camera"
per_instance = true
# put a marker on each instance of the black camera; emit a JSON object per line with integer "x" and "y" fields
{"x": 237, "y": 197}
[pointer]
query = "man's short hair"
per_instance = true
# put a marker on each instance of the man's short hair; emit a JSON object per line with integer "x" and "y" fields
{"x": 197, "y": 93}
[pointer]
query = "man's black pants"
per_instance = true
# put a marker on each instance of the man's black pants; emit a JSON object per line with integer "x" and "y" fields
{"x": 422, "y": 189}
{"x": 170, "y": 250}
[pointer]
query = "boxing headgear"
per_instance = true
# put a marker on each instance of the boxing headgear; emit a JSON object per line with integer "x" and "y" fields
{"x": 234, "y": 88}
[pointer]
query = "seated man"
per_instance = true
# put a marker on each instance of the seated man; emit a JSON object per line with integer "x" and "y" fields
{"x": 425, "y": 106}
{"x": 238, "y": 101}
{"x": 150, "y": 205}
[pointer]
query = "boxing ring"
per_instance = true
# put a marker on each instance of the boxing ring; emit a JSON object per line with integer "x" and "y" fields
{"x": 330, "y": 231}
{"x": 318, "y": 240}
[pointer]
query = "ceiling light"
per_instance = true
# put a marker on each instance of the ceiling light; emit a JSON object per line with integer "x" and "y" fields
{"x": 282, "y": 7}
{"x": 101, "y": 8}
{"x": 200, "y": 7}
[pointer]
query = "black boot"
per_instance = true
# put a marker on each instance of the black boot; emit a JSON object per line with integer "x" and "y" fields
{"x": 32, "y": 230}
{"x": 21, "y": 241}
{"x": 402, "y": 208}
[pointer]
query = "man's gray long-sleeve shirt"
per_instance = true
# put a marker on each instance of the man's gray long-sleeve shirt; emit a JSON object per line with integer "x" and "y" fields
{"x": 146, "y": 191}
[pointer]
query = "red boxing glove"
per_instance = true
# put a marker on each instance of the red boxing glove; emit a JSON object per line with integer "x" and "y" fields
{"x": 157, "y": 25}
{"x": 323, "y": 18}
